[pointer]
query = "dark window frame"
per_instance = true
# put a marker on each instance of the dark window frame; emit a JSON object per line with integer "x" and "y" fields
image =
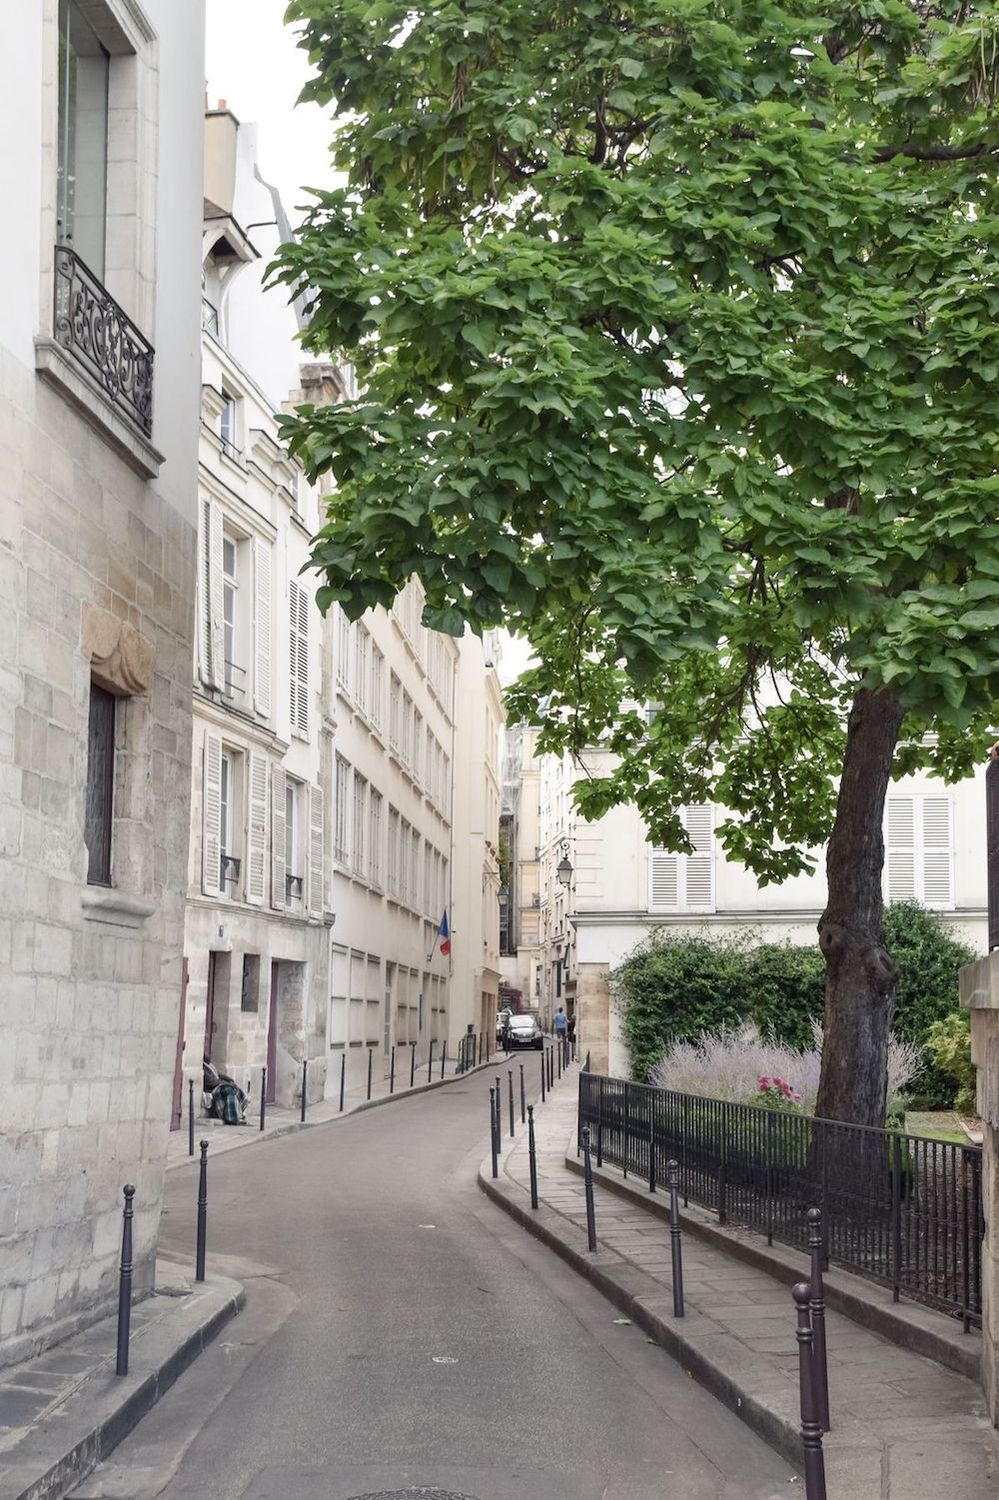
{"x": 98, "y": 833}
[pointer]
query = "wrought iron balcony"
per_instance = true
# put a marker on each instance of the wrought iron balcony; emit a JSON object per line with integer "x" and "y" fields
{"x": 102, "y": 339}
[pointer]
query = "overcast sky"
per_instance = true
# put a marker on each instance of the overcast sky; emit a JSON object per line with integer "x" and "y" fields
{"x": 253, "y": 63}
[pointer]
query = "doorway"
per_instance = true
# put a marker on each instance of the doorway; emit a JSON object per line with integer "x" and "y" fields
{"x": 272, "y": 1035}
{"x": 177, "y": 1101}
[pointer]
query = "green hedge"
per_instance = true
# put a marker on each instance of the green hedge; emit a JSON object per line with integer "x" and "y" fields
{"x": 676, "y": 987}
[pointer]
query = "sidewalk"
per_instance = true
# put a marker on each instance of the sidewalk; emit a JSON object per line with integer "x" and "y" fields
{"x": 903, "y": 1426}
{"x": 279, "y": 1120}
{"x": 64, "y": 1411}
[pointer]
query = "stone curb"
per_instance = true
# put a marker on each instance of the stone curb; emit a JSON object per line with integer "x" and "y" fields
{"x": 637, "y": 1299}
{"x": 98, "y": 1420}
{"x": 918, "y": 1329}
{"x": 254, "y": 1137}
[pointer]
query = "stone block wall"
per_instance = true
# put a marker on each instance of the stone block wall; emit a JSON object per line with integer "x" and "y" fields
{"x": 97, "y": 578}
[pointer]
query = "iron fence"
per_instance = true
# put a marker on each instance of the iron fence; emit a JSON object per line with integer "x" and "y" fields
{"x": 902, "y": 1209}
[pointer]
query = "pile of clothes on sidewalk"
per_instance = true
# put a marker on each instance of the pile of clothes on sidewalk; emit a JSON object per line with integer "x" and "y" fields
{"x": 224, "y": 1099}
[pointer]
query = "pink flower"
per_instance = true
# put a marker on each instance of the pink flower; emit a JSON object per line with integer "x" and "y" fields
{"x": 764, "y": 1082}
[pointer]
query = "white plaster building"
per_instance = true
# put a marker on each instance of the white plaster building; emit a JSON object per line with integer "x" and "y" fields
{"x": 102, "y": 122}
{"x": 258, "y": 920}
{"x": 520, "y": 954}
{"x": 622, "y": 887}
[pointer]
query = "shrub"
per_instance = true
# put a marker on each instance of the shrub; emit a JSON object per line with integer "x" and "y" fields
{"x": 949, "y": 1044}
{"x": 928, "y": 959}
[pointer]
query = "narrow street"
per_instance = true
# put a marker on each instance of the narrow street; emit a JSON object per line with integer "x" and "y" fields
{"x": 402, "y": 1335}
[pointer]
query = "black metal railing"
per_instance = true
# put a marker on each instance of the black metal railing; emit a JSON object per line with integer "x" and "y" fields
{"x": 903, "y": 1209}
{"x": 102, "y": 339}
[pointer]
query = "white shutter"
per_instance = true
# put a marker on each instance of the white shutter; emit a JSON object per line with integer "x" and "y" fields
{"x": 937, "y": 853}
{"x": 210, "y": 625}
{"x": 900, "y": 851}
{"x": 663, "y": 880}
{"x": 279, "y": 783}
{"x": 256, "y": 839}
{"x": 698, "y": 868}
{"x": 211, "y": 815}
{"x": 262, "y": 627}
{"x": 316, "y": 861}
{"x": 298, "y": 648}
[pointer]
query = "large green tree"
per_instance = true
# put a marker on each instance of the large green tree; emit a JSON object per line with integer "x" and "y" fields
{"x": 677, "y": 329}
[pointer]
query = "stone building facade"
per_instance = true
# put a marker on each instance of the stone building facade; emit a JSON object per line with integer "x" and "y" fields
{"x": 99, "y": 393}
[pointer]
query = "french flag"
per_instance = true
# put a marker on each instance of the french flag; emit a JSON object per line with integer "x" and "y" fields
{"x": 444, "y": 934}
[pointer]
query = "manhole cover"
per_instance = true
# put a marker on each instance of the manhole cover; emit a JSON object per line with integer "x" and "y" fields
{"x": 414, "y": 1495}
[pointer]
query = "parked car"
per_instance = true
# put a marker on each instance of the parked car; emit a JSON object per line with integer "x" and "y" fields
{"x": 524, "y": 1031}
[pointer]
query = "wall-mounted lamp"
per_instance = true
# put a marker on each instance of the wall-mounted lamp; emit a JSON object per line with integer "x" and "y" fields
{"x": 563, "y": 872}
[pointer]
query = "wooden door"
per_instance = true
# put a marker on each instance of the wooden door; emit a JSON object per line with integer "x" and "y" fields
{"x": 210, "y": 1007}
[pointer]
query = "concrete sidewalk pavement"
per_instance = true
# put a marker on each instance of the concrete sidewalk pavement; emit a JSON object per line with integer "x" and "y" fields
{"x": 904, "y": 1427}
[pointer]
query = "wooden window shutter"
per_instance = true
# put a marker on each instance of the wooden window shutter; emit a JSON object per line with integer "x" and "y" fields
{"x": 664, "y": 886}
{"x": 299, "y": 658}
{"x": 256, "y": 840}
{"x": 699, "y": 894}
{"x": 262, "y": 627}
{"x": 211, "y": 815}
{"x": 937, "y": 853}
{"x": 279, "y": 782}
{"x": 210, "y": 627}
{"x": 900, "y": 848}
{"x": 317, "y": 902}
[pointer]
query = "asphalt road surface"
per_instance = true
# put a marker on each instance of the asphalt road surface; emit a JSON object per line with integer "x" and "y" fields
{"x": 403, "y": 1337}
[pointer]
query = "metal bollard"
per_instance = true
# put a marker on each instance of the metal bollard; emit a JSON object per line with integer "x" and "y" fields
{"x": 558, "y": 1054}
{"x": 523, "y": 1098}
{"x": 652, "y": 1149}
{"x": 305, "y": 1080}
{"x": 487, "y": 1048}
{"x": 263, "y": 1096}
{"x": 199, "y": 1256}
{"x": 343, "y": 1075}
{"x": 532, "y": 1156}
{"x": 492, "y": 1130}
{"x": 817, "y": 1316}
{"x": 412, "y": 1063}
{"x": 443, "y": 1058}
{"x": 392, "y": 1072}
{"x": 509, "y": 1079}
{"x": 544, "y": 1075}
{"x": 125, "y": 1283}
{"x": 675, "y": 1242}
{"x": 370, "y": 1057}
{"x": 190, "y": 1117}
{"x": 811, "y": 1431}
{"x": 430, "y": 1059}
{"x": 591, "y": 1225}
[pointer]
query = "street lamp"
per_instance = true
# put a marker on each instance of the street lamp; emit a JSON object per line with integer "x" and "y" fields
{"x": 563, "y": 872}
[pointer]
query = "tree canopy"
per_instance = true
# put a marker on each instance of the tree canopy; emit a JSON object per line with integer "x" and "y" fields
{"x": 676, "y": 325}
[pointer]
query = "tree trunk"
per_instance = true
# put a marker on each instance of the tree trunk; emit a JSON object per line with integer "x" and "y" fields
{"x": 860, "y": 975}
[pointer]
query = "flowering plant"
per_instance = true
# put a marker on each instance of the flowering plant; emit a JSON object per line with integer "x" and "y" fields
{"x": 775, "y": 1092}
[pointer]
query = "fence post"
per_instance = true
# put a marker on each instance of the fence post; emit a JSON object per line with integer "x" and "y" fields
{"x": 305, "y": 1074}
{"x": 771, "y": 1121}
{"x": 817, "y": 1313}
{"x": 723, "y": 1178}
{"x": 896, "y": 1216}
{"x": 626, "y": 1131}
{"x": 509, "y": 1080}
{"x": 125, "y": 1283}
{"x": 675, "y": 1244}
{"x": 811, "y": 1432}
{"x": 263, "y": 1092}
{"x": 652, "y": 1143}
{"x": 199, "y": 1254}
{"x": 492, "y": 1130}
{"x": 600, "y": 1123}
{"x": 591, "y": 1227}
{"x": 392, "y": 1072}
{"x": 523, "y": 1097}
{"x": 532, "y": 1156}
{"x": 343, "y": 1074}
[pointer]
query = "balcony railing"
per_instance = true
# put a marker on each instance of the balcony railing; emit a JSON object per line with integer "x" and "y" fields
{"x": 102, "y": 339}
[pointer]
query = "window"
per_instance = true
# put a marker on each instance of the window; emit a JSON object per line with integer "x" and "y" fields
{"x": 99, "y": 812}
{"x": 82, "y": 170}
{"x": 229, "y": 423}
{"x": 392, "y": 858}
{"x": 299, "y": 658}
{"x": 417, "y": 744}
{"x": 294, "y": 876}
{"x": 395, "y": 712}
{"x": 405, "y": 889}
{"x": 342, "y": 649}
{"x": 919, "y": 851}
{"x": 685, "y": 882}
{"x": 375, "y": 838}
{"x": 406, "y": 746}
{"x": 377, "y": 686}
{"x": 360, "y": 820}
{"x": 226, "y": 793}
{"x": 341, "y": 850}
{"x": 362, "y": 674}
{"x": 415, "y": 900}
{"x": 249, "y": 993}
{"x": 235, "y": 675}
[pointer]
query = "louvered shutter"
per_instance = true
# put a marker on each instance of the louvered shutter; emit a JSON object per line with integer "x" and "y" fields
{"x": 262, "y": 627}
{"x": 664, "y": 890}
{"x": 211, "y": 815}
{"x": 698, "y": 868}
{"x": 900, "y": 852}
{"x": 316, "y": 861}
{"x": 256, "y": 838}
{"x": 299, "y": 658}
{"x": 210, "y": 625}
{"x": 279, "y": 783}
{"x": 937, "y": 853}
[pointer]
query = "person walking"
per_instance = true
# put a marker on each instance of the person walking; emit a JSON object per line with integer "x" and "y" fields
{"x": 561, "y": 1024}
